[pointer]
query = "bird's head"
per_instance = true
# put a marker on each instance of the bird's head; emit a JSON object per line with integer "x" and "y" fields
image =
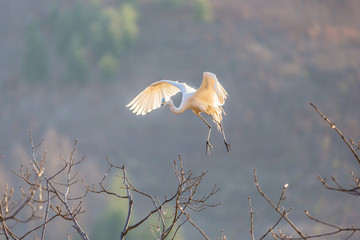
{"x": 163, "y": 102}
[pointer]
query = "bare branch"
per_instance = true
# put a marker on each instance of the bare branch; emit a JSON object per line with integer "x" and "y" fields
{"x": 278, "y": 221}
{"x": 48, "y": 197}
{"x": 127, "y": 222}
{"x": 276, "y": 208}
{"x": 194, "y": 224}
{"x": 251, "y": 220}
{"x": 333, "y": 126}
{"x": 46, "y": 212}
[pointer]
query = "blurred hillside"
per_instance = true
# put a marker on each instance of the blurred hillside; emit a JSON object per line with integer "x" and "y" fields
{"x": 69, "y": 68}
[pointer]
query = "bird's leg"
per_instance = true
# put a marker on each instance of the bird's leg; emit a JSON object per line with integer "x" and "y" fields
{"x": 208, "y": 144}
{"x": 227, "y": 145}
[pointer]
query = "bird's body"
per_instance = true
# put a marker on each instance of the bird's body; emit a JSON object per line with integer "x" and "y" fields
{"x": 208, "y": 99}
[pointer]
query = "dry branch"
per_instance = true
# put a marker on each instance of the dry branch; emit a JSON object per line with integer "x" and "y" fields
{"x": 282, "y": 213}
{"x": 185, "y": 197}
{"x": 36, "y": 182}
{"x": 47, "y": 197}
{"x": 251, "y": 220}
{"x": 336, "y": 186}
{"x": 349, "y": 143}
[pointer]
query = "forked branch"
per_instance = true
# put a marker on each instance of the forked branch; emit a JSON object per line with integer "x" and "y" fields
{"x": 350, "y": 143}
{"x": 336, "y": 231}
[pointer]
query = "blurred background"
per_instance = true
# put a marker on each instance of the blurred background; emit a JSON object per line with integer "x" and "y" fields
{"x": 68, "y": 69}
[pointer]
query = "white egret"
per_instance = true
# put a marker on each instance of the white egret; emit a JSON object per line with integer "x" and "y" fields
{"x": 208, "y": 99}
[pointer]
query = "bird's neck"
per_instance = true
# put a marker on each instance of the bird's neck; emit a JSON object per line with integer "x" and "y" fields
{"x": 175, "y": 109}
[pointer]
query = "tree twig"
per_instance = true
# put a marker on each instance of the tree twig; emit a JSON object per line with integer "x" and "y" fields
{"x": 276, "y": 208}
{"x": 333, "y": 126}
{"x": 251, "y": 220}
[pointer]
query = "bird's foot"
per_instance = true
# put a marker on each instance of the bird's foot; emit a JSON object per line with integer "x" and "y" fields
{"x": 228, "y": 148}
{"x": 208, "y": 147}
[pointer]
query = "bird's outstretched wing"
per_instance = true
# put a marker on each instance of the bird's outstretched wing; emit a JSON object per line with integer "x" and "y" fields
{"x": 210, "y": 83}
{"x": 150, "y": 98}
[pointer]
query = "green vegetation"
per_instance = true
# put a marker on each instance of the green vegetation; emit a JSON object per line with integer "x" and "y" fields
{"x": 107, "y": 66}
{"x": 110, "y": 224}
{"x": 35, "y": 62}
{"x": 171, "y": 3}
{"x": 89, "y": 38}
{"x": 77, "y": 62}
{"x": 203, "y": 11}
{"x": 101, "y": 35}
{"x": 86, "y": 36}
{"x": 129, "y": 18}
{"x": 73, "y": 21}
{"x": 116, "y": 29}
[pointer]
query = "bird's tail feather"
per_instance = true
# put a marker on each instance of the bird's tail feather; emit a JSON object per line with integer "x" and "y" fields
{"x": 217, "y": 115}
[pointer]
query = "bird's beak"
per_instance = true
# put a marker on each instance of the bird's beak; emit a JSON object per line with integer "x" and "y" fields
{"x": 163, "y": 102}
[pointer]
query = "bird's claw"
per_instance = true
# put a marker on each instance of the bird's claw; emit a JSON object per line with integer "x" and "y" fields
{"x": 228, "y": 148}
{"x": 208, "y": 147}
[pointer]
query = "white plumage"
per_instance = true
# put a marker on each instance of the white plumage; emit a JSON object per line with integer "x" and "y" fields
{"x": 208, "y": 99}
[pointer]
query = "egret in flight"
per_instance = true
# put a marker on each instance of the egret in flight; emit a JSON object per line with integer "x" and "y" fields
{"x": 208, "y": 99}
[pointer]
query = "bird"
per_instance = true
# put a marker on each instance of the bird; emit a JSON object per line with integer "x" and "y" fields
{"x": 208, "y": 99}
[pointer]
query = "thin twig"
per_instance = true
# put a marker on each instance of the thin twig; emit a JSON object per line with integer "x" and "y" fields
{"x": 278, "y": 221}
{"x": 333, "y": 126}
{"x": 194, "y": 224}
{"x": 276, "y": 208}
{"x": 46, "y": 211}
{"x": 127, "y": 222}
{"x": 4, "y": 227}
{"x": 251, "y": 220}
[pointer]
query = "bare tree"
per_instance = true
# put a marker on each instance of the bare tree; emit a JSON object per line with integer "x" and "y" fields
{"x": 58, "y": 201}
{"x": 184, "y": 200}
{"x": 47, "y": 197}
{"x": 335, "y": 230}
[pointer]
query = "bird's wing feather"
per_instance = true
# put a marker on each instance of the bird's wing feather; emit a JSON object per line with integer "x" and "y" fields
{"x": 150, "y": 98}
{"x": 210, "y": 83}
